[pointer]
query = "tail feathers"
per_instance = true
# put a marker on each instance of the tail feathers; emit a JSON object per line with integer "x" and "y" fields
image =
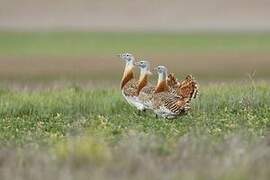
{"x": 176, "y": 104}
{"x": 184, "y": 104}
{"x": 188, "y": 88}
{"x": 172, "y": 81}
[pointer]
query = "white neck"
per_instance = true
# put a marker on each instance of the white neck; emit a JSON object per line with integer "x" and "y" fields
{"x": 129, "y": 66}
{"x": 162, "y": 76}
{"x": 129, "y": 63}
{"x": 143, "y": 73}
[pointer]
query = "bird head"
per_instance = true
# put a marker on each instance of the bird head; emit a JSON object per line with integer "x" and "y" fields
{"x": 128, "y": 58}
{"x": 162, "y": 75}
{"x": 144, "y": 67}
{"x": 161, "y": 70}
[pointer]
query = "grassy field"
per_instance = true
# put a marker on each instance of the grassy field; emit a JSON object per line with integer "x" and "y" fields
{"x": 76, "y": 128}
{"x": 76, "y": 132}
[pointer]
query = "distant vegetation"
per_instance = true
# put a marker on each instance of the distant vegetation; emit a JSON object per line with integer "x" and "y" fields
{"x": 40, "y": 57}
{"x": 81, "y": 44}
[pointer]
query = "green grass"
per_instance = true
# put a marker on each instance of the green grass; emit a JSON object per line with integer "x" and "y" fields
{"x": 45, "y": 134}
{"x": 220, "y": 110}
{"x": 76, "y": 44}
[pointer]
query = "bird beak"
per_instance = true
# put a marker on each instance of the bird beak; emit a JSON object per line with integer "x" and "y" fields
{"x": 121, "y": 57}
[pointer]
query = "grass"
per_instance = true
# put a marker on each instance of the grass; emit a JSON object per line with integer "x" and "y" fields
{"x": 54, "y": 113}
{"x": 75, "y": 131}
{"x": 68, "y": 131}
{"x": 82, "y": 44}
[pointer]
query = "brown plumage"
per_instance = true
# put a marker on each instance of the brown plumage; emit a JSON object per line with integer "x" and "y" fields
{"x": 167, "y": 104}
{"x": 129, "y": 85}
{"x": 171, "y": 98}
{"x": 162, "y": 86}
{"x": 145, "y": 90}
{"x": 146, "y": 94}
{"x": 172, "y": 81}
{"x": 168, "y": 99}
{"x": 188, "y": 88}
{"x": 142, "y": 83}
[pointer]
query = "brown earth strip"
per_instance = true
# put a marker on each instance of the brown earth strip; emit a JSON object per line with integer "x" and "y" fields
{"x": 204, "y": 66}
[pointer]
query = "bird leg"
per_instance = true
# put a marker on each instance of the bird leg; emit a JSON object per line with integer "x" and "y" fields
{"x": 140, "y": 112}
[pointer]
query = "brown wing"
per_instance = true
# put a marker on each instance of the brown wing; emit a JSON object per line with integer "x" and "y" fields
{"x": 177, "y": 100}
{"x": 130, "y": 88}
{"x": 172, "y": 81}
{"x": 188, "y": 88}
{"x": 149, "y": 89}
{"x": 147, "y": 92}
{"x": 172, "y": 102}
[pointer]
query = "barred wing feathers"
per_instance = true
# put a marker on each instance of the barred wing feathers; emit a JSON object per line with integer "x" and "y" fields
{"x": 188, "y": 88}
{"x": 169, "y": 105}
{"x": 146, "y": 95}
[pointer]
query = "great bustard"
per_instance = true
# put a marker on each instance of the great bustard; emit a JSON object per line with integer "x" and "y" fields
{"x": 145, "y": 89}
{"x": 165, "y": 103}
{"x": 129, "y": 85}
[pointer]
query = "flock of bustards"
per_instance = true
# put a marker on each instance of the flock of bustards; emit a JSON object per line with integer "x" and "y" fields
{"x": 169, "y": 98}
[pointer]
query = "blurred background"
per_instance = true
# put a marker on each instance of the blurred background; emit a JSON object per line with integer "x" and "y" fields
{"x": 49, "y": 42}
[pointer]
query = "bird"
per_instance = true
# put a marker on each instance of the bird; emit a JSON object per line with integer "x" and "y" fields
{"x": 168, "y": 84}
{"x": 146, "y": 94}
{"x": 145, "y": 89}
{"x": 169, "y": 98}
{"x": 165, "y": 103}
{"x": 144, "y": 67}
{"x": 131, "y": 87}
